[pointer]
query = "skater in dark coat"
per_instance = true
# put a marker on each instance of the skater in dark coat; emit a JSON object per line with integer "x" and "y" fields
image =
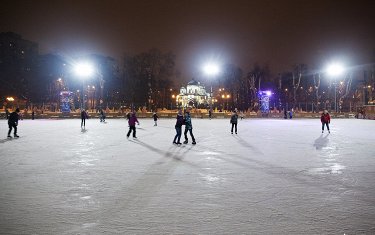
{"x": 326, "y": 120}
{"x": 178, "y": 126}
{"x": 234, "y": 121}
{"x": 132, "y": 120}
{"x": 155, "y": 116}
{"x": 188, "y": 127}
{"x": 13, "y": 123}
{"x": 102, "y": 115}
{"x": 84, "y": 116}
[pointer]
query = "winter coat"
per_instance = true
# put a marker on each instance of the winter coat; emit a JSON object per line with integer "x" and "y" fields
{"x": 13, "y": 118}
{"x": 325, "y": 118}
{"x": 155, "y": 116}
{"x": 234, "y": 118}
{"x": 84, "y": 115}
{"x": 132, "y": 120}
{"x": 188, "y": 124}
{"x": 180, "y": 120}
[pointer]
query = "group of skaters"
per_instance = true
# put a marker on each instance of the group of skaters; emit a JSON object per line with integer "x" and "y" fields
{"x": 181, "y": 120}
{"x": 85, "y": 115}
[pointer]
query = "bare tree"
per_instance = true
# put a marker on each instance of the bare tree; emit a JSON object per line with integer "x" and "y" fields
{"x": 316, "y": 78}
{"x": 299, "y": 71}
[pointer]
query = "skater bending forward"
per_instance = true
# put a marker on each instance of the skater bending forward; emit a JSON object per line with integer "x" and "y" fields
{"x": 188, "y": 127}
{"x": 132, "y": 120}
{"x": 326, "y": 120}
{"x": 13, "y": 123}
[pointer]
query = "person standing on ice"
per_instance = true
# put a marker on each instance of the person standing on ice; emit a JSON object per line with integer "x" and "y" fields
{"x": 102, "y": 115}
{"x": 155, "y": 116}
{"x": 83, "y": 118}
{"x": 13, "y": 123}
{"x": 132, "y": 120}
{"x": 326, "y": 120}
{"x": 178, "y": 126}
{"x": 234, "y": 121}
{"x": 188, "y": 127}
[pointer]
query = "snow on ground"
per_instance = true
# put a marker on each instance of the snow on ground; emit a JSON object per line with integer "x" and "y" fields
{"x": 274, "y": 177}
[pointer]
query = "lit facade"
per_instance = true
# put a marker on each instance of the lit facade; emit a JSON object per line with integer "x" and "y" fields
{"x": 193, "y": 95}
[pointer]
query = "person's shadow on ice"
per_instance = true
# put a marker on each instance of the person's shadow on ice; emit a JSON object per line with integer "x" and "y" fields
{"x": 321, "y": 142}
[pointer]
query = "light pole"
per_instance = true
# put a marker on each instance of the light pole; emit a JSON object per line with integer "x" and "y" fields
{"x": 334, "y": 70}
{"x": 211, "y": 70}
{"x": 84, "y": 70}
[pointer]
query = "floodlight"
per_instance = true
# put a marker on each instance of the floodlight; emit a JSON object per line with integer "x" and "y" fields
{"x": 84, "y": 69}
{"x": 335, "y": 69}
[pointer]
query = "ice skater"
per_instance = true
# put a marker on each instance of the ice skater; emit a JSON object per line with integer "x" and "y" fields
{"x": 188, "y": 127}
{"x": 326, "y": 120}
{"x": 291, "y": 114}
{"x": 13, "y": 123}
{"x": 234, "y": 121}
{"x": 102, "y": 115}
{"x": 178, "y": 127}
{"x": 210, "y": 113}
{"x": 241, "y": 115}
{"x": 155, "y": 116}
{"x": 132, "y": 120}
{"x": 84, "y": 116}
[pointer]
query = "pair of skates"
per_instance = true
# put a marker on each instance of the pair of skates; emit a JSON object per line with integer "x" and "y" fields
{"x": 15, "y": 136}
{"x": 186, "y": 141}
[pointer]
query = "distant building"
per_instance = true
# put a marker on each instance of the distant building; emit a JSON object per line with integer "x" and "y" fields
{"x": 18, "y": 65}
{"x": 193, "y": 95}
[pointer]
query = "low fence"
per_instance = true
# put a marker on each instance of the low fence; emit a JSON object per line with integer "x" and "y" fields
{"x": 218, "y": 115}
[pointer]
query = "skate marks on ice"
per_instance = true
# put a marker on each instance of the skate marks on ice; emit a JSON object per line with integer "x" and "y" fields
{"x": 321, "y": 142}
{"x": 130, "y": 202}
{"x": 9, "y": 139}
{"x": 246, "y": 144}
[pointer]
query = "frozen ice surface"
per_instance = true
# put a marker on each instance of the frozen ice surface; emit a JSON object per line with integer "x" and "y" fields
{"x": 274, "y": 177}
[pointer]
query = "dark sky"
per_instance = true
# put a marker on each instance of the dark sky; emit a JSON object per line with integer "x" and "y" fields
{"x": 276, "y": 32}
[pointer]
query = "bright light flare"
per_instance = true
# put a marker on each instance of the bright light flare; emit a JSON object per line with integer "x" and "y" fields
{"x": 335, "y": 70}
{"x": 84, "y": 69}
{"x": 268, "y": 93}
{"x": 211, "y": 69}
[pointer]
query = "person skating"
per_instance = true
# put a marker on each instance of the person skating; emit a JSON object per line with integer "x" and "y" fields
{"x": 326, "y": 120}
{"x": 241, "y": 115}
{"x": 234, "y": 121}
{"x": 188, "y": 127}
{"x": 178, "y": 127}
{"x": 132, "y": 120}
{"x": 155, "y": 116}
{"x": 84, "y": 116}
{"x": 210, "y": 113}
{"x": 13, "y": 123}
{"x": 102, "y": 115}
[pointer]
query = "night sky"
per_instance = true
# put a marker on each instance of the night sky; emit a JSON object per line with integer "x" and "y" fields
{"x": 280, "y": 33}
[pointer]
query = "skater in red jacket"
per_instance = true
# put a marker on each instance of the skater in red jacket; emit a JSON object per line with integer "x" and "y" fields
{"x": 325, "y": 119}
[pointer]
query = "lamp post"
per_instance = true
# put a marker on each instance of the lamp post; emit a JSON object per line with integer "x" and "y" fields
{"x": 334, "y": 70}
{"x": 84, "y": 70}
{"x": 211, "y": 70}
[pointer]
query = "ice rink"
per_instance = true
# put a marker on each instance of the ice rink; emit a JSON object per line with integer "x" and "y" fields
{"x": 274, "y": 177}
